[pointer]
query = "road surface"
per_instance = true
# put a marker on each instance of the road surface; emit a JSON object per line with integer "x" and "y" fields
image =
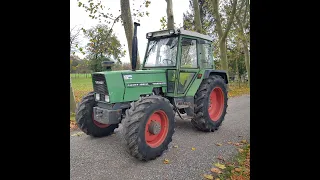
{"x": 106, "y": 158}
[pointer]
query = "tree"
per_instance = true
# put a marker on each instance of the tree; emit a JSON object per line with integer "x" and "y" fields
{"x": 97, "y": 11}
{"x": 128, "y": 26}
{"x": 74, "y": 39}
{"x": 74, "y": 60}
{"x": 223, "y": 33}
{"x": 206, "y": 18}
{"x": 103, "y": 44}
{"x": 83, "y": 66}
{"x": 236, "y": 61}
{"x": 197, "y": 20}
{"x": 242, "y": 25}
{"x": 170, "y": 19}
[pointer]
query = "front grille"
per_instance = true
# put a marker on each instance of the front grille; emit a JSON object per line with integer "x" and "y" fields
{"x": 100, "y": 84}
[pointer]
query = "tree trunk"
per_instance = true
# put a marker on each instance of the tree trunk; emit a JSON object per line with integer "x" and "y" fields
{"x": 245, "y": 47}
{"x": 197, "y": 20}
{"x": 170, "y": 19}
{"x": 223, "y": 35}
{"x": 247, "y": 60}
{"x": 238, "y": 72}
{"x": 128, "y": 27}
{"x": 223, "y": 56}
{"x": 72, "y": 100}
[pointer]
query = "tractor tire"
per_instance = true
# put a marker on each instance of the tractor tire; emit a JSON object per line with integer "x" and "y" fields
{"x": 85, "y": 121}
{"x": 211, "y": 102}
{"x": 148, "y": 127}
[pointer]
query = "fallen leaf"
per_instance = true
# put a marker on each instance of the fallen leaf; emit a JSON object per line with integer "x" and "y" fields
{"x": 208, "y": 176}
{"x": 77, "y": 134}
{"x": 218, "y": 144}
{"x": 237, "y": 169}
{"x": 237, "y": 144}
{"x": 175, "y": 146}
{"x": 221, "y": 166}
{"x": 240, "y": 150}
{"x": 166, "y": 161}
{"x": 220, "y": 158}
{"x": 217, "y": 178}
{"x": 193, "y": 149}
{"x": 237, "y": 177}
{"x": 216, "y": 170}
{"x": 232, "y": 171}
{"x": 229, "y": 142}
{"x": 244, "y": 141}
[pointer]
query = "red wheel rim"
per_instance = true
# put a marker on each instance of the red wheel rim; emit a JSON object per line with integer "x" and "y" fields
{"x": 155, "y": 138}
{"x": 99, "y": 124}
{"x": 216, "y": 104}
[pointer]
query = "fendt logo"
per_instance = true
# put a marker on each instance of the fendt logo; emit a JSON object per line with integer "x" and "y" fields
{"x": 99, "y": 82}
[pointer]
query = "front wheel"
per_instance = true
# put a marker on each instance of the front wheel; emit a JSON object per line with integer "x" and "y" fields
{"x": 210, "y": 104}
{"x": 85, "y": 121}
{"x": 149, "y": 126}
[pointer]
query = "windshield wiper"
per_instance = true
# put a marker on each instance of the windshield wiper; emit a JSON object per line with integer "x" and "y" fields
{"x": 174, "y": 44}
{"x": 156, "y": 42}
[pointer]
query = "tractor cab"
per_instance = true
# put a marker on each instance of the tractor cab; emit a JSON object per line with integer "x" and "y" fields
{"x": 182, "y": 53}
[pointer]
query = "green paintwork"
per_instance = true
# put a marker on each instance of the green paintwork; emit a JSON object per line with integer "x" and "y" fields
{"x": 115, "y": 85}
{"x": 144, "y": 76}
{"x": 118, "y": 88}
{"x": 195, "y": 85}
{"x": 130, "y": 89}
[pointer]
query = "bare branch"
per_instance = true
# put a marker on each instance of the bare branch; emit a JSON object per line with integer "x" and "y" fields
{"x": 73, "y": 28}
{"x": 107, "y": 16}
{"x": 112, "y": 28}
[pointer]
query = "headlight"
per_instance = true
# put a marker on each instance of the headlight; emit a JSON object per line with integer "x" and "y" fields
{"x": 97, "y": 97}
{"x": 106, "y": 98}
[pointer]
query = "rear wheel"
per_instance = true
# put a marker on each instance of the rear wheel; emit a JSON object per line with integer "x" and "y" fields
{"x": 149, "y": 126}
{"x": 210, "y": 104}
{"x": 86, "y": 122}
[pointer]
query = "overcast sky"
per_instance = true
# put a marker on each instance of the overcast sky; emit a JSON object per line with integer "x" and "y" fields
{"x": 157, "y": 9}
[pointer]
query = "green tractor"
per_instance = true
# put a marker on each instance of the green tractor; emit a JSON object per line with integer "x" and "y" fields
{"x": 177, "y": 77}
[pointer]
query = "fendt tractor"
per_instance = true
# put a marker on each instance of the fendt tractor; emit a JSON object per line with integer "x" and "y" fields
{"x": 177, "y": 77}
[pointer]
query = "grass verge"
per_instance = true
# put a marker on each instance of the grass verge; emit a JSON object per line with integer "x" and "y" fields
{"x": 236, "y": 89}
{"x": 82, "y": 85}
{"x": 237, "y": 169}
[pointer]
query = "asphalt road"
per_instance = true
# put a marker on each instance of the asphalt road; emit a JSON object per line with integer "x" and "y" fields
{"x": 106, "y": 158}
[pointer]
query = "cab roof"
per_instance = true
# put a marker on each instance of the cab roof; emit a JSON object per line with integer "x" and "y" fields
{"x": 179, "y": 31}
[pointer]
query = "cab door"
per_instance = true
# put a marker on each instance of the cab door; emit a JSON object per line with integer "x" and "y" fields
{"x": 188, "y": 67}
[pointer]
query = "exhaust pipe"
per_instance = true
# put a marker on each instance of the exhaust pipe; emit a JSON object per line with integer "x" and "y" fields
{"x": 134, "y": 47}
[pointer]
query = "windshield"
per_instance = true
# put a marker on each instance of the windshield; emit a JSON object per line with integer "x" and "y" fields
{"x": 162, "y": 52}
